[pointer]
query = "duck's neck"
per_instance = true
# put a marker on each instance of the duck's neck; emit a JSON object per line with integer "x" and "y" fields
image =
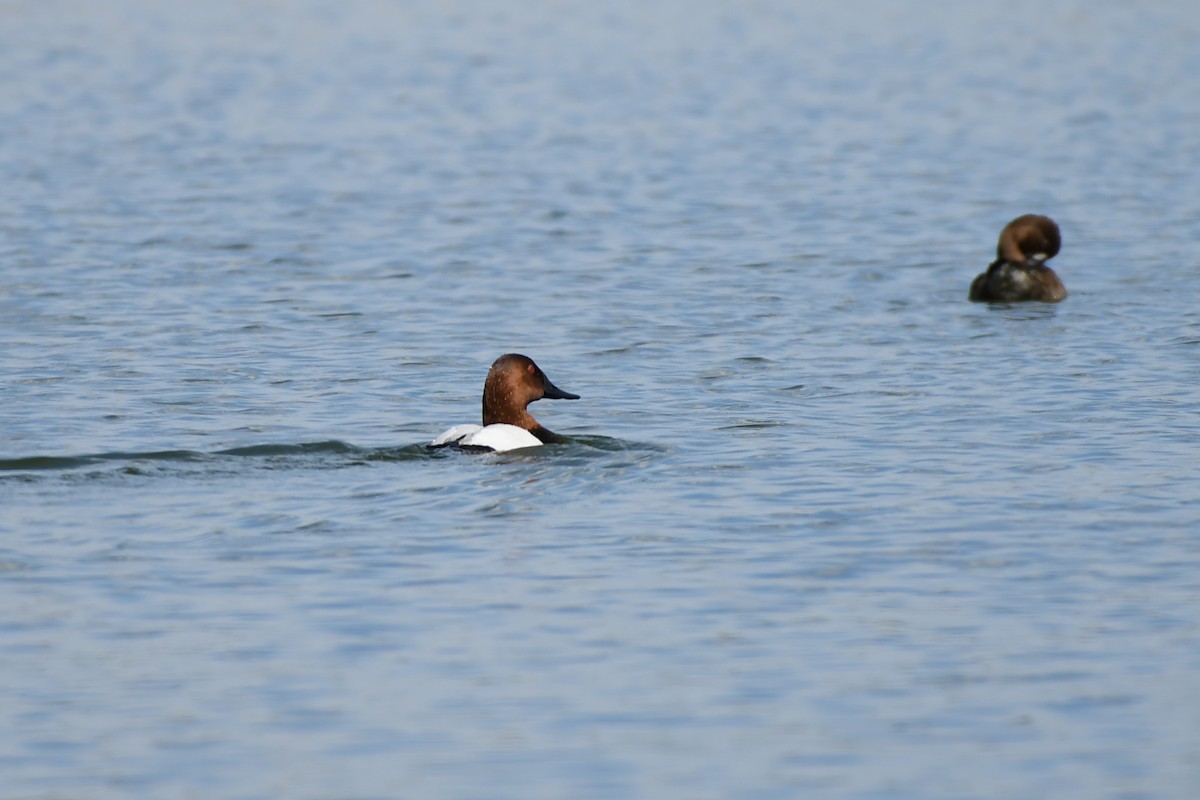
{"x": 545, "y": 435}
{"x": 498, "y": 412}
{"x": 522, "y": 419}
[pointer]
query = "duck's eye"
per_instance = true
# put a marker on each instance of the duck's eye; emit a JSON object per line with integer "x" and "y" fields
{"x": 532, "y": 369}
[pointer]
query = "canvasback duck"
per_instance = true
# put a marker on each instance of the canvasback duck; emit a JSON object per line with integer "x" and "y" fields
{"x": 513, "y": 382}
{"x": 1019, "y": 271}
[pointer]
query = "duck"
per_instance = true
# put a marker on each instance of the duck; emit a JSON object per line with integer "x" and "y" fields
{"x": 1019, "y": 272}
{"x": 513, "y": 382}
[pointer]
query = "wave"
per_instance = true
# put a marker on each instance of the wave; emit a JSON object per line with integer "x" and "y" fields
{"x": 327, "y": 453}
{"x": 302, "y": 450}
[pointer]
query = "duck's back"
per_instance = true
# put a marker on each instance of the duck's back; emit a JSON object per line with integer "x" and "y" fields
{"x": 1013, "y": 283}
{"x": 498, "y": 437}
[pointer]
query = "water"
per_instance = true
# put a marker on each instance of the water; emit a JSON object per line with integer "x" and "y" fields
{"x": 825, "y": 529}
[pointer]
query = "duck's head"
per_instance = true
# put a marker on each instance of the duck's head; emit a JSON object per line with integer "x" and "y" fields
{"x": 514, "y": 382}
{"x": 1029, "y": 239}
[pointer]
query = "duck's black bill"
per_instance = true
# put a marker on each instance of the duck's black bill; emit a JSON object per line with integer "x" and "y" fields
{"x": 554, "y": 393}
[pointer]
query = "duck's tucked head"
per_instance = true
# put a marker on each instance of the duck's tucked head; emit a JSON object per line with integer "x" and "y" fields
{"x": 514, "y": 382}
{"x": 1019, "y": 272}
{"x": 1029, "y": 239}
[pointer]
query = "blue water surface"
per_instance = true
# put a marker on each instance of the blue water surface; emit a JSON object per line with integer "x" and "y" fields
{"x": 822, "y": 528}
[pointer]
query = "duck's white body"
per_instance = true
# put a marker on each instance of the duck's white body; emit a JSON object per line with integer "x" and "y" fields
{"x": 497, "y": 436}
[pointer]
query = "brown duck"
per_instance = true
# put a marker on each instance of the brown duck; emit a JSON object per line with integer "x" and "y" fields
{"x": 1019, "y": 271}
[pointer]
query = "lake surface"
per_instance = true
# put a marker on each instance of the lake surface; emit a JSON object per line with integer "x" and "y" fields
{"x": 823, "y": 528}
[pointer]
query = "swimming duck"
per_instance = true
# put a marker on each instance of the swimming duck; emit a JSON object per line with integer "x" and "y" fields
{"x": 513, "y": 382}
{"x": 1019, "y": 271}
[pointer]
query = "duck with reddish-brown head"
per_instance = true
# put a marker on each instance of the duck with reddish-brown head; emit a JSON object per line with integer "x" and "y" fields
{"x": 1019, "y": 272}
{"x": 512, "y": 383}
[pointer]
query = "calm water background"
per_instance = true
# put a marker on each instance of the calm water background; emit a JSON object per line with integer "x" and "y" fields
{"x": 825, "y": 529}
